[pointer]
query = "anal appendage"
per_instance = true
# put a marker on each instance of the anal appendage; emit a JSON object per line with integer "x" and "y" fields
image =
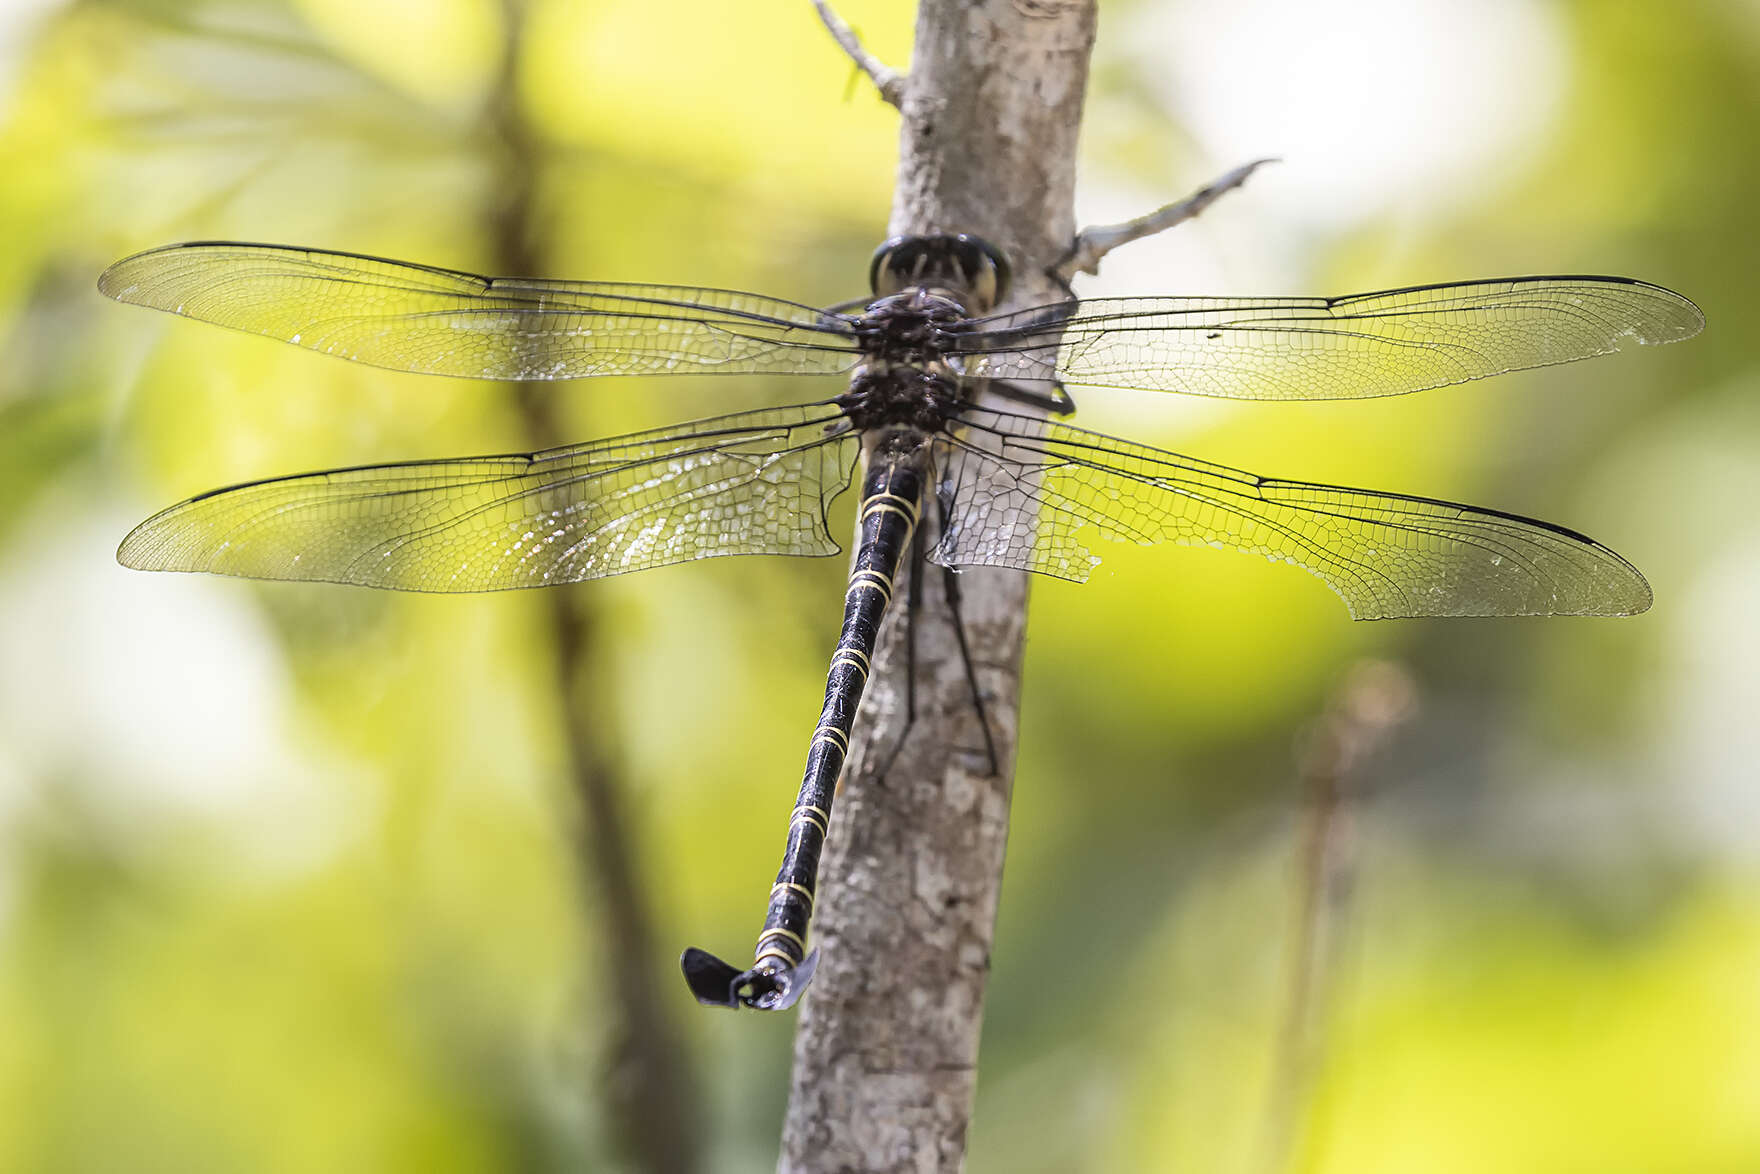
{"x": 769, "y": 986}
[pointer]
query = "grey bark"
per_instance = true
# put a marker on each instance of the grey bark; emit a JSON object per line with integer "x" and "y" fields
{"x": 885, "y": 1062}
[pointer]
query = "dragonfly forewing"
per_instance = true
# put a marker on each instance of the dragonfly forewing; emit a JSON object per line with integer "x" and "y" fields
{"x": 443, "y": 322}
{"x": 1030, "y": 492}
{"x": 752, "y": 483}
{"x": 1013, "y": 491}
{"x": 1353, "y": 347}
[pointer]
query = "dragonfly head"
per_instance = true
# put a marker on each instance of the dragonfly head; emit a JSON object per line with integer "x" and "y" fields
{"x": 969, "y": 269}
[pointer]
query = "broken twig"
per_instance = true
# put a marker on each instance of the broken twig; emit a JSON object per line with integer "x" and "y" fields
{"x": 1092, "y": 244}
{"x": 889, "y": 81}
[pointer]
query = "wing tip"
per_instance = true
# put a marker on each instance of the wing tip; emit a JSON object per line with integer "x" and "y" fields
{"x": 1689, "y": 324}
{"x": 141, "y": 549}
{"x": 1629, "y": 594}
{"x": 111, "y": 282}
{"x": 1638, "y": 599}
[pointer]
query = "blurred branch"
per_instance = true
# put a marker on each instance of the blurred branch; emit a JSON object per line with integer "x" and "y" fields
{"x": 196, "y": 83}
{"x": 885, "y": 1061}
{"x": 205, "y": 26}
{"x": 887, "y": 80}
{"x": 1375, "y": 698}
{"x": 1093, "y": 243}
{"x": 652, "y": 1101}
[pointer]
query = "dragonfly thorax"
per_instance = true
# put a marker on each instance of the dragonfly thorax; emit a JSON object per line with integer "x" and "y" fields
{"x": 913, "y": 326}
{"x": 905, "y": 378}
{"x": 885, "y": 395}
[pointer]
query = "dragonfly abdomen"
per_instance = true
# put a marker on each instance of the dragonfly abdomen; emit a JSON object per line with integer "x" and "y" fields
{"x": 891, "y": 496}
{"x": 891, "y": 502}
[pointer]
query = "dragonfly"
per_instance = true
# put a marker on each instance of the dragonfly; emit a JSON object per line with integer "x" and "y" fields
{"x": 953, "y": 409}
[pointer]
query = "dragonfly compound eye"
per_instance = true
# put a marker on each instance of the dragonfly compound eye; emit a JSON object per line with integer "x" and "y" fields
{"x": 965, "y": 266}
{"x": 989, "y": 267}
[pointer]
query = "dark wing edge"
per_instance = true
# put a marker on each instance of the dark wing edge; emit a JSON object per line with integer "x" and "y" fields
{"x": 1028, "y": 487}
{"x": 751, "y": 483}
{"x": 431, "y": 320}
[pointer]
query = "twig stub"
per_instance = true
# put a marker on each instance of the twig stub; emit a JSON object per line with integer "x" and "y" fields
{"x": 1092, "y": 244}
{"x": 889, "y": 81}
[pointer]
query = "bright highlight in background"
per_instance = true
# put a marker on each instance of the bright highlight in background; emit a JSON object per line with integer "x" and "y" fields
{"x": 1381, "y": 103}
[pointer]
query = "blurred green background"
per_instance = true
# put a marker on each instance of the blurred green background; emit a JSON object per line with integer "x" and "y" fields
{"x": 288, "y": 874}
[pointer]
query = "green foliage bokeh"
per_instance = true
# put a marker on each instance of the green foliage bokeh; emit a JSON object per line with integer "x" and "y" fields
{"x": 286, "y": 872}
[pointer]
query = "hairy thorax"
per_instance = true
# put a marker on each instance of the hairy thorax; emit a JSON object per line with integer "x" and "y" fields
{"x": 906, "y": 378}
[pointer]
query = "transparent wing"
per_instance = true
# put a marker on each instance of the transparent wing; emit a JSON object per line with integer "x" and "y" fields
{"x": 442, "y": 322}
{"x": 1328, "y": 348}
{"x": 1028, "y": 489}
{"x": 753, "y": 483}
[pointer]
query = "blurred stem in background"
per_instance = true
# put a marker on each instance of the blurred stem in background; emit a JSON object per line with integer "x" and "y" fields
{"x": 288, "y": 879}
{"x": 649, "y": 1090}
{"x": 1367, "y": 708}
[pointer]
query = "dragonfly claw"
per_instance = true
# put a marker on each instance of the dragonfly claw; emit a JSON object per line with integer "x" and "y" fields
{"x": 771, "y": 988}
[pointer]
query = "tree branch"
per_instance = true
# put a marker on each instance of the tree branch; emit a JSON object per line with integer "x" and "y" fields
{"x": 1092, "y": 244}
{"x": 886, "y": 1052}
{"x": 1374, "y": 700}
{"x": 887, "y": 80}
{"x": 655, "y": 1111}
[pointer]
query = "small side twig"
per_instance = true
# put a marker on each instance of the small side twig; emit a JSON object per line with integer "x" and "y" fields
{"x": 1092, "y": 244}
{"x": 889, "y": 81}
{"x": 1374, "y": 700}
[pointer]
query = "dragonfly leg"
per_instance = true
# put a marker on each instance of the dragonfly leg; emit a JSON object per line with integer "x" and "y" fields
{"x": 913, "y": 609}
{"x": 1058, "y": 400}
{"x": 950, "y": 579}
{"x": 951, "y": 585}
{"x": 847, "y": 305}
